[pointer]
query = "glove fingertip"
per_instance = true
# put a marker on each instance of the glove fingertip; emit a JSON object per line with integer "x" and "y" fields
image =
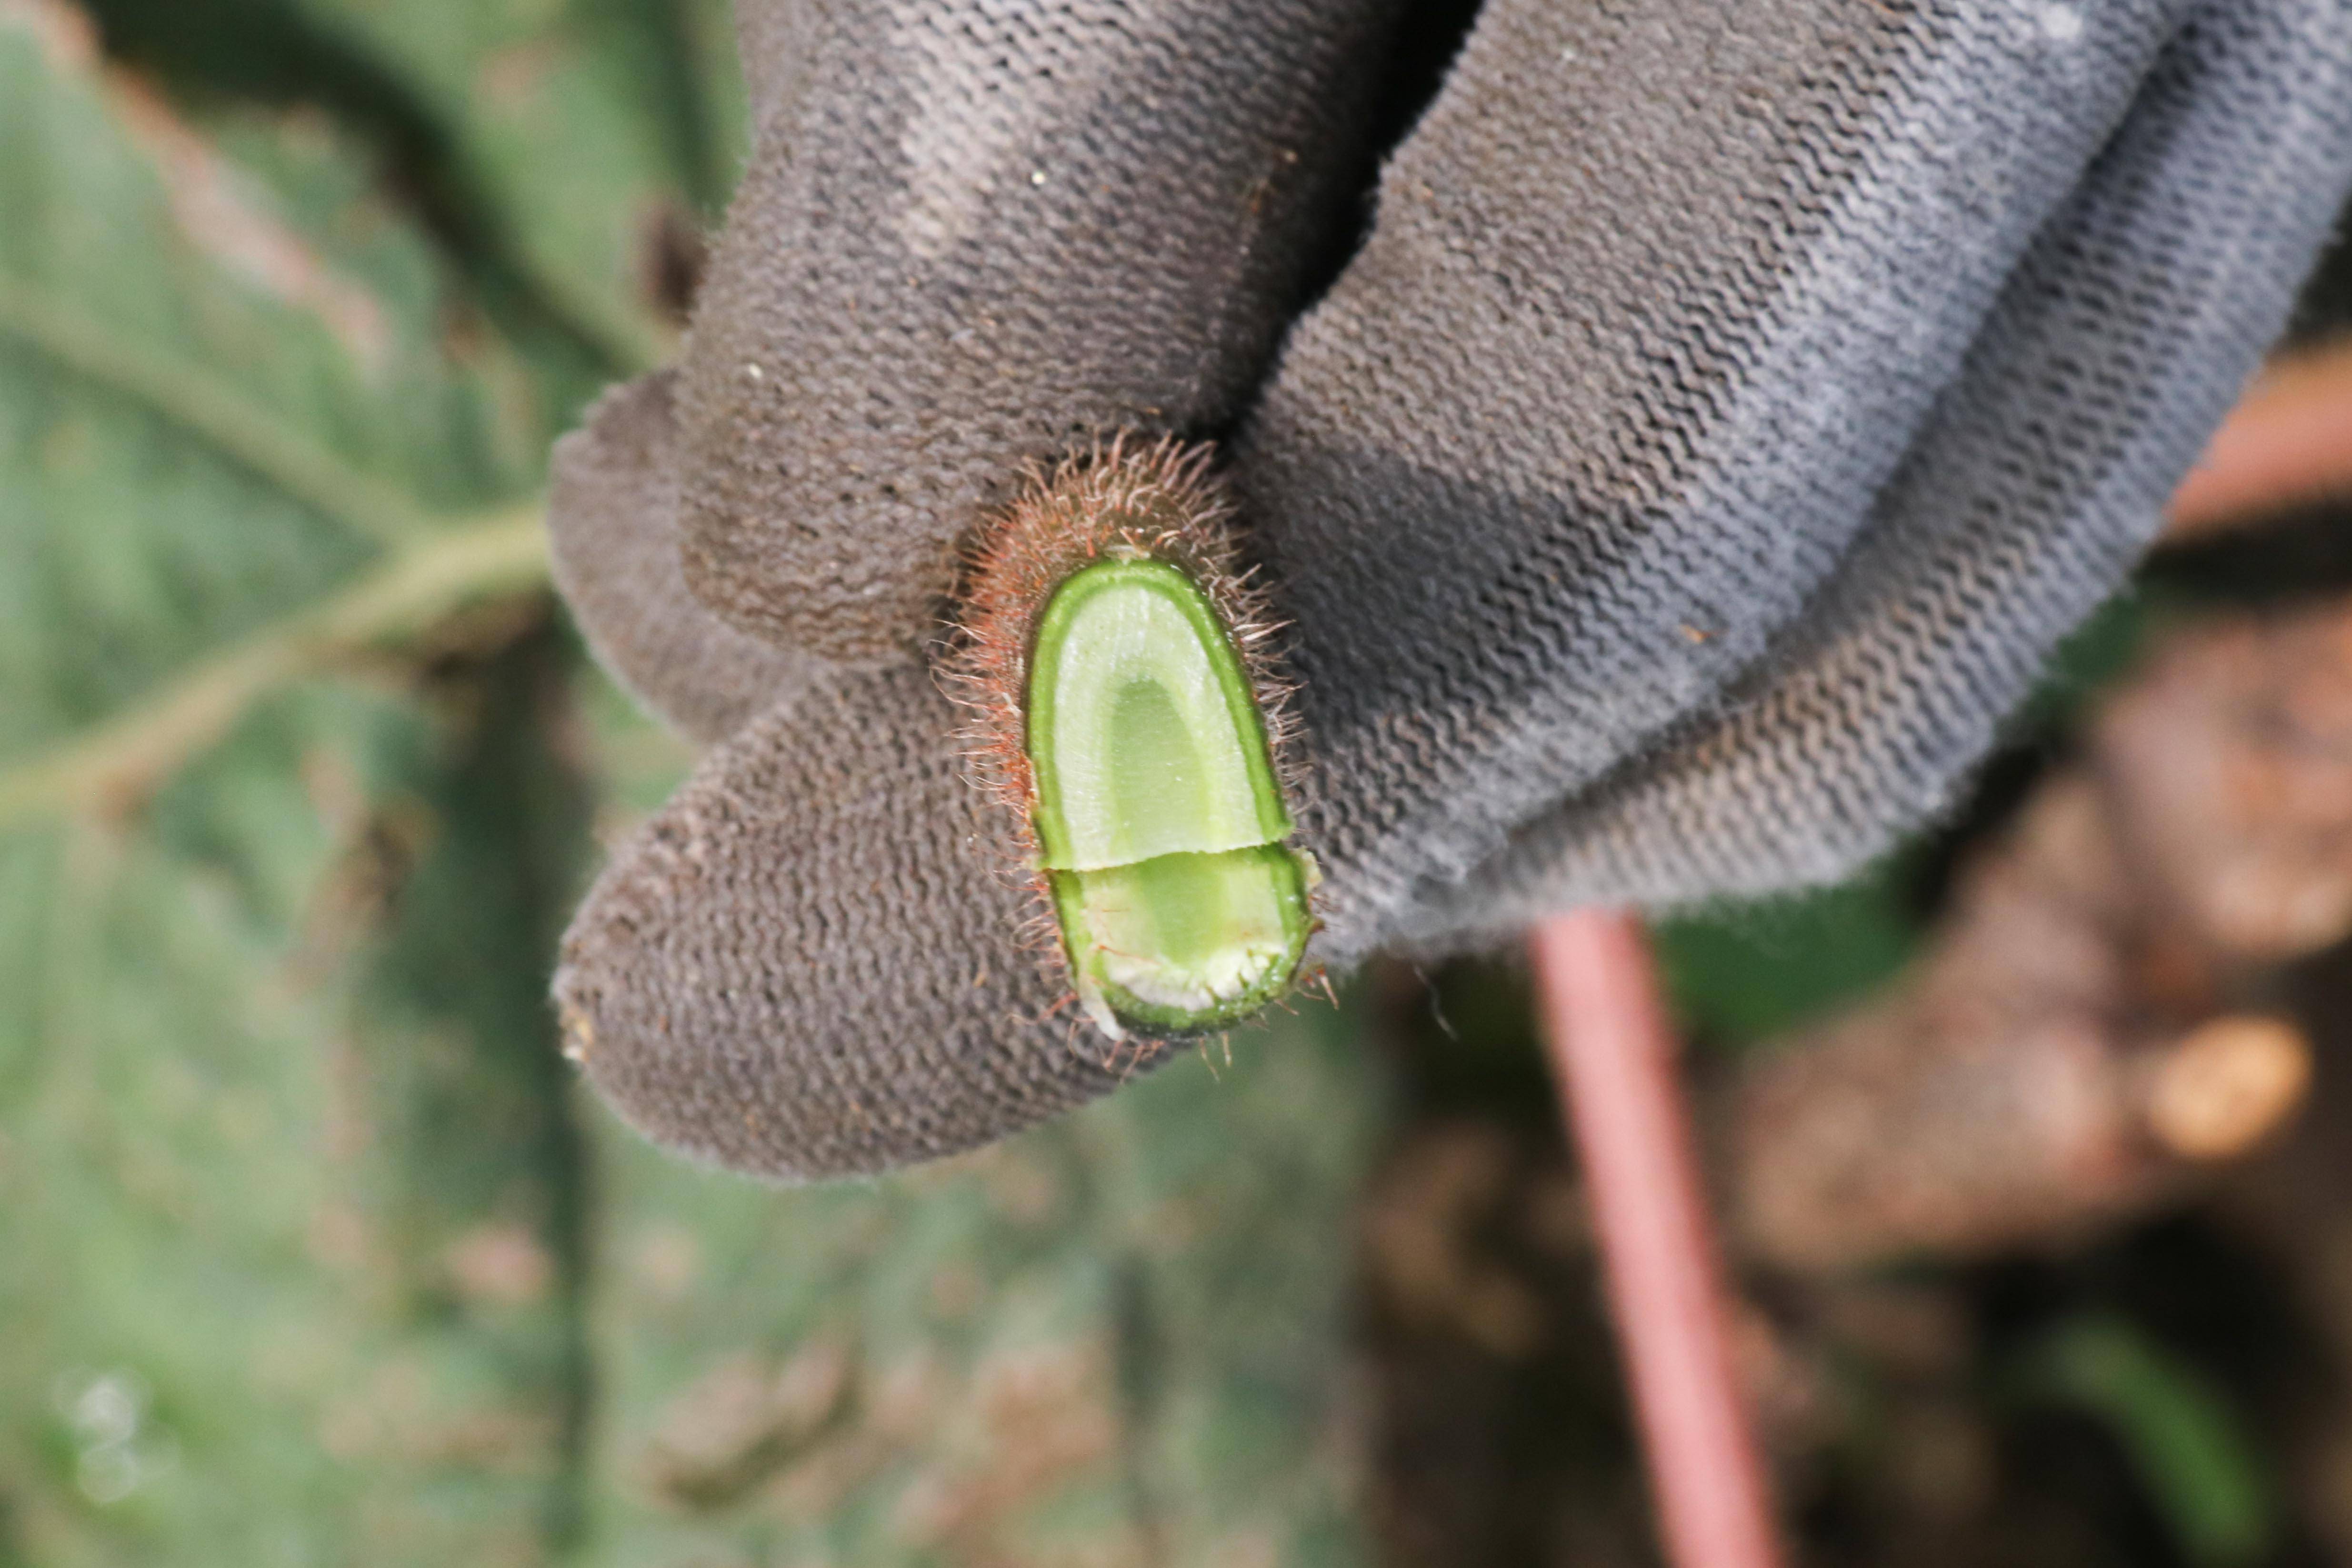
{"x": 808, "y": 965}
{"x": 973, "y": 236}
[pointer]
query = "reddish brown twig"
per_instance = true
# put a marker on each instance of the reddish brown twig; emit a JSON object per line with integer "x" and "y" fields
{"x": 1606, "y": 1028}
{"x": 2289, "y": 440}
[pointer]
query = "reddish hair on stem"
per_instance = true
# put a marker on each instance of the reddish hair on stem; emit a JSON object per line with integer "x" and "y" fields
{"x": 1613, "y": 1054}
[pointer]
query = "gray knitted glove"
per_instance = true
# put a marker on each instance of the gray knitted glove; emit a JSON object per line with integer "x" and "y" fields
{"x": 1730, "y": 406}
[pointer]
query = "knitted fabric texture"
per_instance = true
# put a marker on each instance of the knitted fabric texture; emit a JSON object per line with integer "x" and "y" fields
{"x": 1855, "y": 371}
{"x": 978, "y": 233}
{"x": 810, "y": 961}
{"x": 613, "y": 512}
{"x": 1728, "y": 409}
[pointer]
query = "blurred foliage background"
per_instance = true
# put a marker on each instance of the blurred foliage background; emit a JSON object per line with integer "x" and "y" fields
{"x": 312, "y": 1252}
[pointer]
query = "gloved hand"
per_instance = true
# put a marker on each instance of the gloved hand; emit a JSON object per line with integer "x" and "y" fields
{"x": 1729, "y": 407}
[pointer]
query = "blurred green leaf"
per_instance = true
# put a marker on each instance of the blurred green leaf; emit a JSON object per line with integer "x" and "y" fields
{"x": 205, "y": 421}
{"x": 1743, "y": 973}
{"x": 2196, "y": 1464}
{"x": 1119, "y": 1339}
{"x": 228, "y": 426}
{"x": 482, "y": 1162}
{"x": 582, "y": 124}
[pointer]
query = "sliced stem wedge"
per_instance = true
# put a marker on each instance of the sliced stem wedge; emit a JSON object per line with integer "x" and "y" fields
{"x": 1159, "y": 816}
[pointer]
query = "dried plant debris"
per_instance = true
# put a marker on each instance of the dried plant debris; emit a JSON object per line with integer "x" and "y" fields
{"x": 2097, "y": 1017}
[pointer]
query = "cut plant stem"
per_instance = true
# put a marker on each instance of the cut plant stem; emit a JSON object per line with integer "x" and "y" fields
{"x": 1160, "y": 818}
{"x": 1126, "y": 710}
